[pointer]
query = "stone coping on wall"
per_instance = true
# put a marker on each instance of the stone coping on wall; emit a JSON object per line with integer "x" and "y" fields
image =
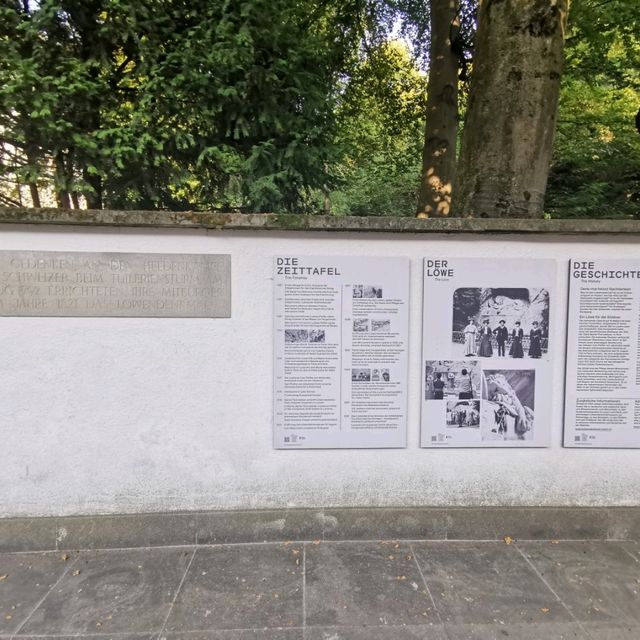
{"x": 294, "y": 222}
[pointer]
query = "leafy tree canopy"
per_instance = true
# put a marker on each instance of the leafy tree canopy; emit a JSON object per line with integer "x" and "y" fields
{"x": 380, "y": 135}
{"x": 281, "y": 105}
{"x": 173, "y": 104}
{"x": 596, "y": 166}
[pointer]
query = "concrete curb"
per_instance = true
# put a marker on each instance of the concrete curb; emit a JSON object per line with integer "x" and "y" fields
{"x": 233, "y": 527}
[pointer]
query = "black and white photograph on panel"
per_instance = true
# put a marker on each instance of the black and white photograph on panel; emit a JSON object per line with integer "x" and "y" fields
{"x": 361, "y": 375}
{"x": 501, "y": 322}
{"x": 367, "y": 291}
{"x": 296, "y": 335}
{"x": 380, "y": 375}
{"x": 463, "y": 414}
{"x": 488, "y": 314}
{"x": 452, "y": 379}
{"x": 508, "y": 404}
{"x": 304, "y": 335}
{"x": 317, "y": 335}
{"x": 381, "y": 325}
{"x": 360, "y": 324}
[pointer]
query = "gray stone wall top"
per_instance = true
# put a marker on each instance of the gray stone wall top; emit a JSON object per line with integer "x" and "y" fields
{"x": 292, "y": 222}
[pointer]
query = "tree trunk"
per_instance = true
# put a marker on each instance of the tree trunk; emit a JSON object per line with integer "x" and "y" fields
{"x": 326, "y": 201}
{"x": 62, "y": 193}
{"x": 439, "y": 151}
{"x": 33, "y": 187}
{"x": 94, "y": 197}
{"x": 35, "y": 196}
{"x": 62, "y": 199}
{"x": 508, "y": 133}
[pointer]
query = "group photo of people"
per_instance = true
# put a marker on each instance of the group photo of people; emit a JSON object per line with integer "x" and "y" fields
{"x": 463, "y": 413}
{"x": 485, "y": 341}
{"x": 448, "y": 379}
{"x": 501, "y": 323}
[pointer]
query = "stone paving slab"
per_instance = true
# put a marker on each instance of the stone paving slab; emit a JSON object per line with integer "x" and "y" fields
{"x": 25, "y": 579}
{"x": 597, "y": 583}
{"x": 115, "y": 591}
{"x": 542, "y": 631}
{"x": 358, "y": 590}
{"x": 365, "y": 584}
{"x": 611, "y": 632}
{"x": 486, "y": 583}
{"x": 241, "y": 586}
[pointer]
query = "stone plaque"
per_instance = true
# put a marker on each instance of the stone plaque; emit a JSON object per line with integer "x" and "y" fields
{"x": 147, "y": 285}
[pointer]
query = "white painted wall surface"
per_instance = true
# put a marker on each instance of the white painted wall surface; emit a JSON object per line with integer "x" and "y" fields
{"x": 115, "y": 415}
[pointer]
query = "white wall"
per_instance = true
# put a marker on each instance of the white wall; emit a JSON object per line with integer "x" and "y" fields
{"x": 113, "y": 415}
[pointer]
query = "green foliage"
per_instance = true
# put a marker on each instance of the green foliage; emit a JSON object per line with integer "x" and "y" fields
{"x": 381, "y": 117}
{"x": 281, "y": 105}
{"x": 239, "y": 96}
{"x": 172, "y": 104}
{"x": 596, "y": 165}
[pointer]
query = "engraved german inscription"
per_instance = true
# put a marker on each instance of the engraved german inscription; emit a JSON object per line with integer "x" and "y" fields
{"x": 181, "y": 285}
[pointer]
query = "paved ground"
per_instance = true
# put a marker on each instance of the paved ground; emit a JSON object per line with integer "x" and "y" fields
{"x": 327, "y": 591}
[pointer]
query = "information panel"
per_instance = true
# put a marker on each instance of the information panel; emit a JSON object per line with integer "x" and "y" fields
{"x": 487, "y": 342}
{"x": 602, "y": 398}
{"x": 340, "y": 352}
{"x": 156, "y": 285}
